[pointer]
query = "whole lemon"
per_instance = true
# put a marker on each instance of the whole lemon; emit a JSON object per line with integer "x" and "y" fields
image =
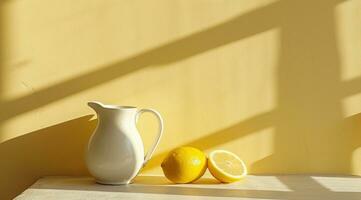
{"x": 184, "y": 165}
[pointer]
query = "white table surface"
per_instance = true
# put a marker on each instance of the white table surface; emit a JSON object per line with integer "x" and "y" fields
{"x": 156, "y": 187}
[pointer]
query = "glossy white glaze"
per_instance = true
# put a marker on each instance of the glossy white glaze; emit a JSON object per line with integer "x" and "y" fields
{"x": 115, "y": 151}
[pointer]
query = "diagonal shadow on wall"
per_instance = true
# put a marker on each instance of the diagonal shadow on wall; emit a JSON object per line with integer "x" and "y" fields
{"x": 262, "y": 19}
{"x": 310, "y": 92}
{"x": 184, "y": 48}
{"x": 44, "y": 152}
{"x": 309, "y": 95}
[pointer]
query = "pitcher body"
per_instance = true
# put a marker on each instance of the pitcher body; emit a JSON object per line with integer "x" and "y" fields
{"x": 115, "y": 152}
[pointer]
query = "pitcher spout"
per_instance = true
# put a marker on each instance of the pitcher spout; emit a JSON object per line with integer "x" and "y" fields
{"x": 97, "y": 106}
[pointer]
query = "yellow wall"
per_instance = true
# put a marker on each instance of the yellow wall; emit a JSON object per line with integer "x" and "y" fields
{"x": 277, "y": 82}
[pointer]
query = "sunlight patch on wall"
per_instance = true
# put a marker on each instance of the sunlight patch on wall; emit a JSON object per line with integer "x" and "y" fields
{"x": 356, "y": 164}
{"x": 242, "y": 84}
{"x": 208, "y": 92}
{"x": 252, "y": 147}
{"x": 210, "y": 14}
{"x": 75, "y": 39}
{"x": 351, "y": 105}
{"x": 348, "y": 17}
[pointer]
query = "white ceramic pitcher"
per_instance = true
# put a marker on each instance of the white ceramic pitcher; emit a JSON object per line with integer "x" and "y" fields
{"x": 115, "y": 152}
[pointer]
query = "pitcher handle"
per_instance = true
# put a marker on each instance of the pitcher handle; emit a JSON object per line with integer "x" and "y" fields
{"x": 160, "y": 132}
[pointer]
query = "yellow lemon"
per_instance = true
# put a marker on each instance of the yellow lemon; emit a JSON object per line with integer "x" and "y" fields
{"x": 226, "y": 166}
{"x": 184, "y": 165}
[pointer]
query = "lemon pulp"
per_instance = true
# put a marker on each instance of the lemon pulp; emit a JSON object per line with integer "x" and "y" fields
{"x": 226, "y": 166}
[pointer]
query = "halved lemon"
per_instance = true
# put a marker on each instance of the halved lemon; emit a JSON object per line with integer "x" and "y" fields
{"x": 226, "y": 166}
